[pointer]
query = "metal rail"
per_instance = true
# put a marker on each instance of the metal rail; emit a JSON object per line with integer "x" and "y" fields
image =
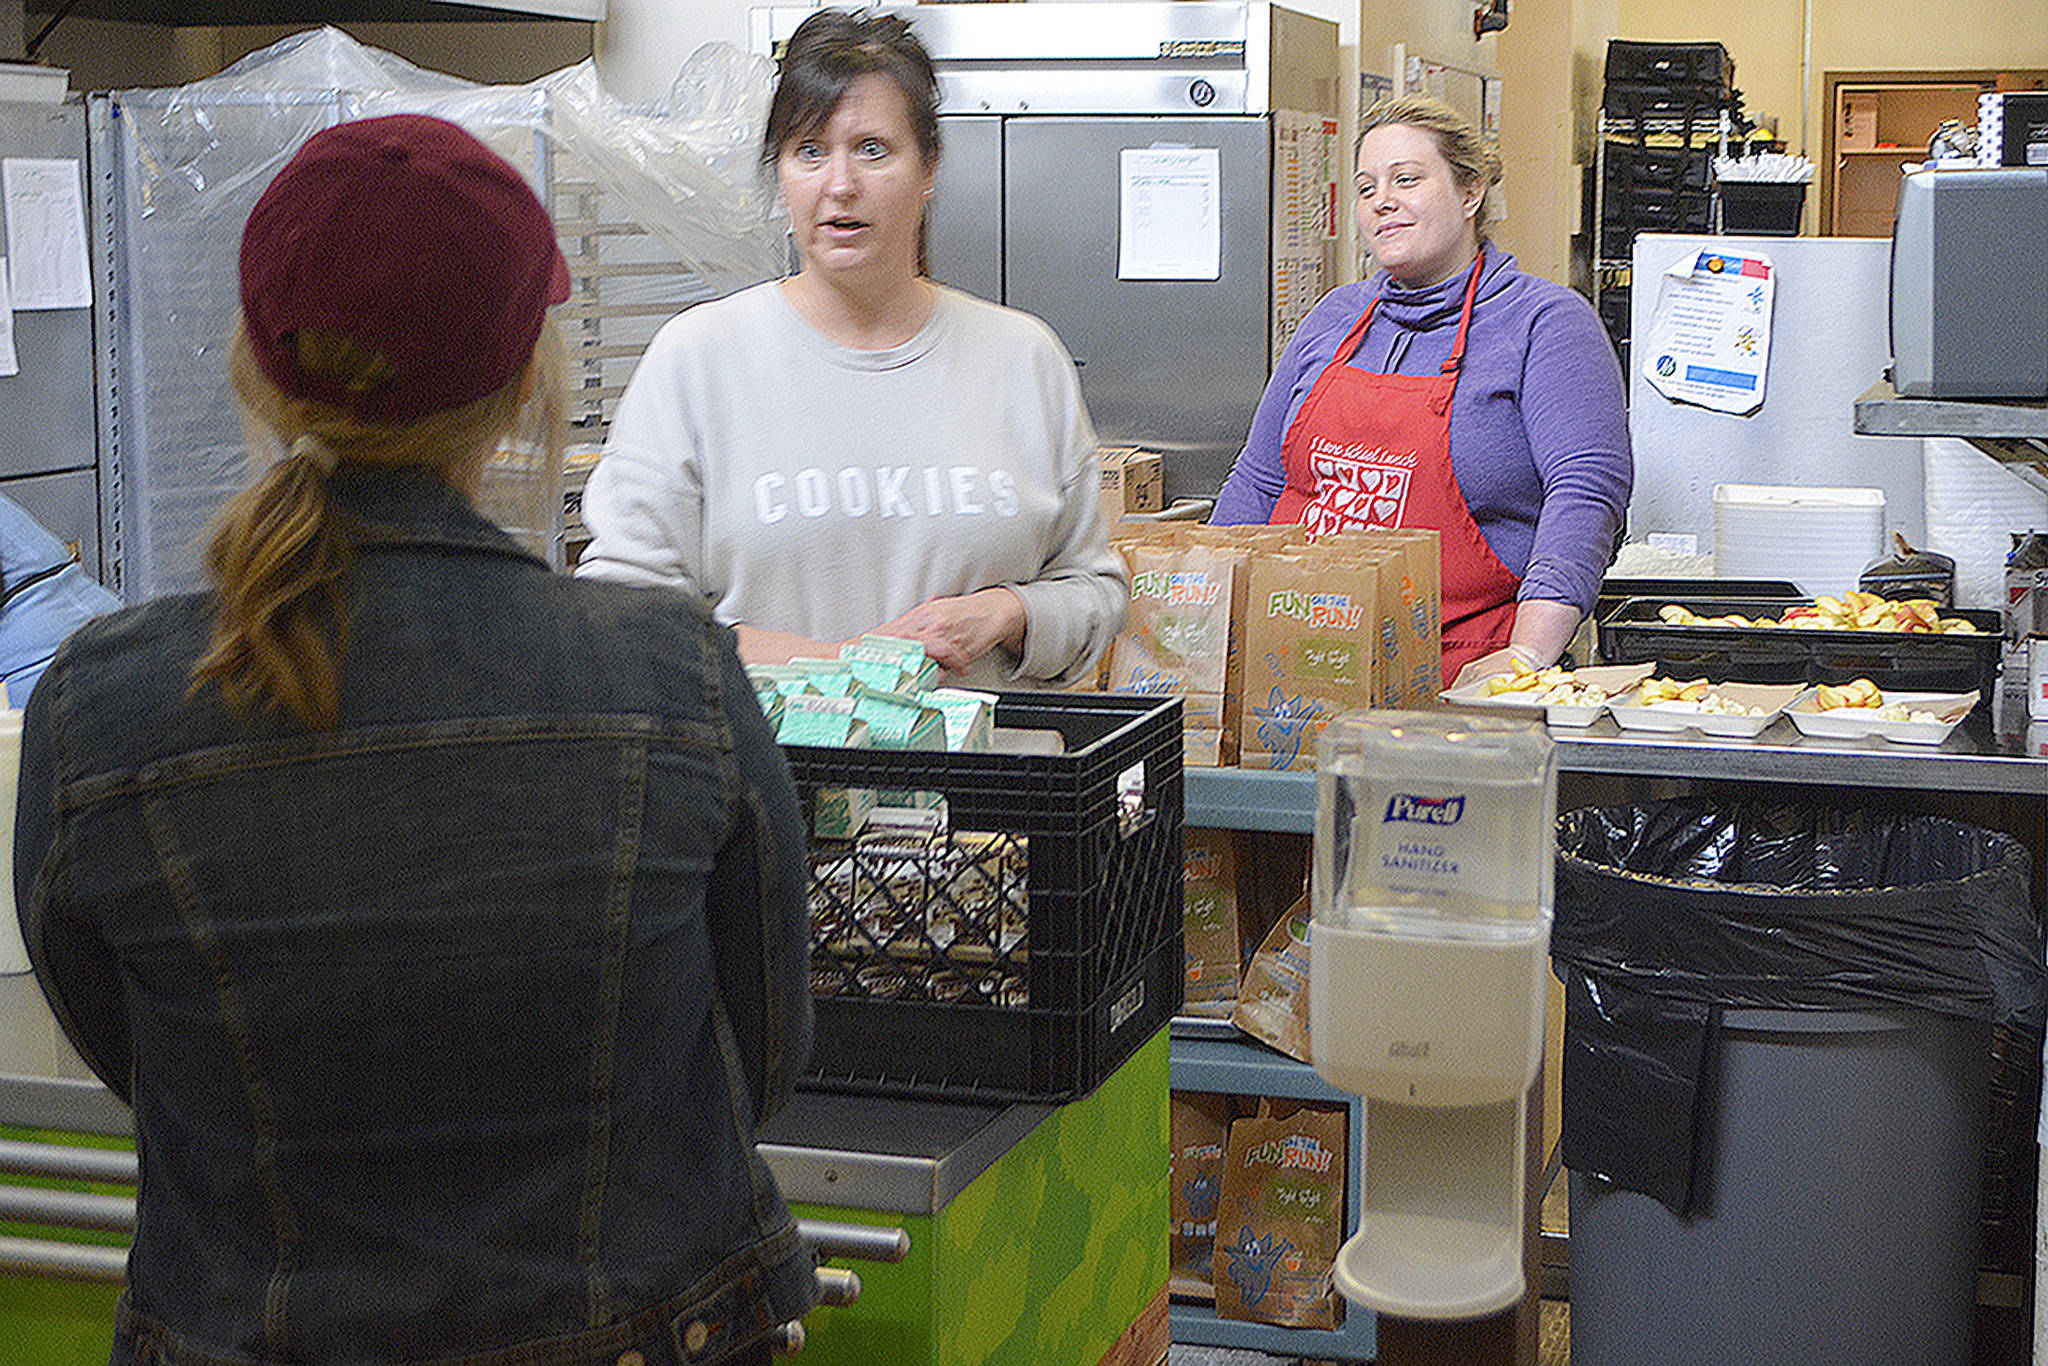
{"x": 67, "y": 1209}
{"x": 60, "y": 1162}
{"x": 54, "y": 1259}
{"x": 51, "y": 1260}
{"x": 865, "y": 1242}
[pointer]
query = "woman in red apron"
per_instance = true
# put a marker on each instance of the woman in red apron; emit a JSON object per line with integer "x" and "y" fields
{"x": 1375, "y": 449}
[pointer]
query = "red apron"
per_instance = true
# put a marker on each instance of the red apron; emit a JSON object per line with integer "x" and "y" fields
{"x": 1375, "y": 450}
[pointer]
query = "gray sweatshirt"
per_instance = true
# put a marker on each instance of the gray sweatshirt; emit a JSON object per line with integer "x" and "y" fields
{"x": 801, "y": 486}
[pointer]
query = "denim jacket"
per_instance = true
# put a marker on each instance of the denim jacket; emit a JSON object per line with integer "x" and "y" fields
{"x": 447, "y": 1032}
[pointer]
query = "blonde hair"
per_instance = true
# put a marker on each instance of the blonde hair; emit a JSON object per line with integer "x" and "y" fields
{"x": 280, "y": 551}
{"x": 1471, "y": 159}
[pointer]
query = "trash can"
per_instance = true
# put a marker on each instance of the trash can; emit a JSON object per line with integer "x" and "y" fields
{"x": 1776, "y": 1072}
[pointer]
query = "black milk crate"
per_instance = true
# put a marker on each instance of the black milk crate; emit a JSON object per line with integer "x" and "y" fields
{"x": 1042, "y": 1010}
{"x": 1909, "y": 661}
{"x": 1662, "y": 118}
{"x": 1648, "y": 209}
{"x": 1704, "y": 65}
{"x": 1614, "y": 310}
{"x": 1631, "y": 168}
{"x": 1652, "y": 211}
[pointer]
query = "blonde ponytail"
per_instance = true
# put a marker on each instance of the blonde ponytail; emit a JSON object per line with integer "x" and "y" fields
{"x": 277, "y": 562}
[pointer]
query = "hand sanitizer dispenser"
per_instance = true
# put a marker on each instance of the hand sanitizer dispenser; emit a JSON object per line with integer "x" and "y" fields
{"x": 1429, "y": 943}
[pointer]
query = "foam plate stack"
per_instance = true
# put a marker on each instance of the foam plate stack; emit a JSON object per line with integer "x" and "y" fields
{"x": 1819, "y": 538}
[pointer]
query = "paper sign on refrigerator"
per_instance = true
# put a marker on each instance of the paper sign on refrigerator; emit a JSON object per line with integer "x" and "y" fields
{"x": 1170, "y": 214}
{"x": 1709, "y": 340}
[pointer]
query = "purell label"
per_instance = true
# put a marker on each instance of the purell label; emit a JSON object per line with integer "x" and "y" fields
{"x": 1425, "y": 843}
{"x": 1404, "y": 806}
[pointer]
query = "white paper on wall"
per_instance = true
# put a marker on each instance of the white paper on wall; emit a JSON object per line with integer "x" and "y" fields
{"x": 44, "y": 201}
{"x": 1709, "y": 340}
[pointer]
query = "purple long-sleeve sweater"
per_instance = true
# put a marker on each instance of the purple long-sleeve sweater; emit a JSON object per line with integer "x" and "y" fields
{"x": 1539, "y": 433}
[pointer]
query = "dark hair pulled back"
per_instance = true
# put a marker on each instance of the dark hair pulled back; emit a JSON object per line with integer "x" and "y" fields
{"x": 831, "y": 50}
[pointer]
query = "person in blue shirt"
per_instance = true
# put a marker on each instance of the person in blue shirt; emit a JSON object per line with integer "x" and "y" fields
{"x": 45, "y": 595}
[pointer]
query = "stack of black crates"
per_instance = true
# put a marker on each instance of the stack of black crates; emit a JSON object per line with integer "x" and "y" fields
{"x": 1666, "y": 110}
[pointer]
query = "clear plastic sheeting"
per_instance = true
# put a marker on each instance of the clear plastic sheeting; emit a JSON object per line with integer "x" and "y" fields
{"x": 690, "y": 169}
{"x": 658, "y": 208}
{"x": 1671, "y": 914}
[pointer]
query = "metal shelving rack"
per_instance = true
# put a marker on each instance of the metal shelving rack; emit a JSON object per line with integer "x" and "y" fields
{"x": 1668, "y": 105}
{"x": 2012, "y": 432}
{"x": 1611, "y": 273}
{"x": 1213, "y": 1055}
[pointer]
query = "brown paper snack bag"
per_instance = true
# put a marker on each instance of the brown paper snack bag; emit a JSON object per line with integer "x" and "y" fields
{"x": 1180, "y": 636}
{"x": 1209, "y": 902}
{"x": 1281, "y": 1220}
{"x": 1198, "y": 1129}
{"x": 1311, "y": 647}
{"x": 1423, "y": 673}
{"x": 1415, "y": 662}
{"x": 1272, "y": 1001}
{"x": 1390, "y": 567}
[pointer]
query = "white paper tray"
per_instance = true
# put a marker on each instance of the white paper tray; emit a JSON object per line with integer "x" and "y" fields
{"x": 1857, "y": 723}
{"x": 1677, "y": 716}
{"x": 1615, "y": 678}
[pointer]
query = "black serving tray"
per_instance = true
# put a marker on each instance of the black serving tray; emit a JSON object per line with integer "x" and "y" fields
{"x": 1906, "y": 660}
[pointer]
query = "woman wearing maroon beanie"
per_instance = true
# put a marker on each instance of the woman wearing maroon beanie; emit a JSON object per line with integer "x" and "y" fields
{"x": 441, "y": 917}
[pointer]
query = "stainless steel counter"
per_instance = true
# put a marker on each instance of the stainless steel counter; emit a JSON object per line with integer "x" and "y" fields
{"x": 857, "y": 1152}
{"x": 899, "y": 1156}
{"x": 1975, "y": 758}
{"x": 1972, "y": 759}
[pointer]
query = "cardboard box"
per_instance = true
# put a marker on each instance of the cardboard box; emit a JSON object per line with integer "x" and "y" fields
{"x": 2037, "y": 679}
{"x": 1132, "y": 481}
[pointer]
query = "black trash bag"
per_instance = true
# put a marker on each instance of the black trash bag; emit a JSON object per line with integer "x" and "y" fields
{"x": 1668, "y": 913}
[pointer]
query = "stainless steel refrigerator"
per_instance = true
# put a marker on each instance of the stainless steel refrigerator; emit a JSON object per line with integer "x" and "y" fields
{"x": 49, "y": 440}
{"x": 1040, "y": 105}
